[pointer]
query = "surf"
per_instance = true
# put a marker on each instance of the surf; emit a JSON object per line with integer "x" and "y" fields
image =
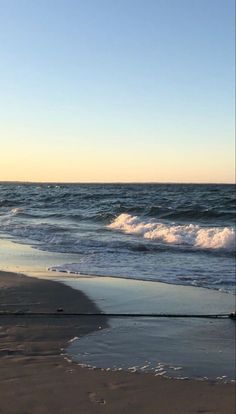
{"x": 190, "y": 234}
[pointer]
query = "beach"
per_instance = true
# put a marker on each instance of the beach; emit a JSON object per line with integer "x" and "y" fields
{"x": 117, "y": 207}
{"x": 36, "y": 377}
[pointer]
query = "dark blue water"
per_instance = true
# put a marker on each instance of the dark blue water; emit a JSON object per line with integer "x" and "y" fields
{"x": 177, "y": 233}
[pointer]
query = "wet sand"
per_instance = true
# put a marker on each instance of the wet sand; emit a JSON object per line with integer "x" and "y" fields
{"x": 36, "y": 379}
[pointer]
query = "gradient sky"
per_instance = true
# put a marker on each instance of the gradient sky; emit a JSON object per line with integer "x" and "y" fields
{"x": 117, "y": 90}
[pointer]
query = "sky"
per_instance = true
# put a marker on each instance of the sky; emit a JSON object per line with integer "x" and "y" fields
{"x": 117, "y": 90}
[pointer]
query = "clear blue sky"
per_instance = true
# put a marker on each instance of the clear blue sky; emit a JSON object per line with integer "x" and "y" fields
{"x": 117, "y": 90}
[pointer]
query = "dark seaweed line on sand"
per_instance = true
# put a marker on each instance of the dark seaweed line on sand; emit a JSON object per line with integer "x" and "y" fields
{"x": 120, "y": 315}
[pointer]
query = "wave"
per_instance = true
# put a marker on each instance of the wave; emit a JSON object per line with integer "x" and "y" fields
{"x": 226, "y": 285}
{"x": 191, "y": 235}
{"x": 16, "y": 211}
{"x": 39, "y": 233}
{"x": 192, "y": 214}
{"x": 8, "y": 203}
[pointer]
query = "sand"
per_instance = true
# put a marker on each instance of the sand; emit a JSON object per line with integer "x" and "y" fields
{"x": 35, "y": 377}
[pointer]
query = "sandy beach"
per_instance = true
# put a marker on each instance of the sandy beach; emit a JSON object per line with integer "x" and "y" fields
{"x": 36, "y": 378}
{"x": 117, "y": 207}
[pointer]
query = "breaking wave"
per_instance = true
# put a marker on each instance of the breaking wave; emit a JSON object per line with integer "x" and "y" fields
{"x": 188, "y": 235}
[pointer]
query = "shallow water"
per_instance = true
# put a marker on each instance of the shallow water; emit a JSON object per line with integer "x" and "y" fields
{"x": 199, "y": 349}
{"x": 176, "y": 347}
{"x": 173, "y": 347}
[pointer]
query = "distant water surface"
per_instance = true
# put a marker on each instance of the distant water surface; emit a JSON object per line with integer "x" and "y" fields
{"x": 175, "y": 233}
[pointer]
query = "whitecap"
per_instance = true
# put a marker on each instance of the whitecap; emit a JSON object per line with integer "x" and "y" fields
{"x": 189, "y": 235}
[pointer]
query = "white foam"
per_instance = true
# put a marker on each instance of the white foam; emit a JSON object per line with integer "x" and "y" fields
{"x": 69, "y": 268}
{"x": 16, "y": 210}
{"x": 190, "y": 234}
{"x": 73, "y": 339}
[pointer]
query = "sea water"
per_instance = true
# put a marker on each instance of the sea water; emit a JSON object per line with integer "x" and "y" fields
{"x": 131, "y": 237}
{"x": 175, "y": 233}
{"x": 173, "y": 347}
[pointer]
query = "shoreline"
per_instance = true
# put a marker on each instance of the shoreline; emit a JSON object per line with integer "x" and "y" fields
{"x": 28, "y": 260}
{"x": 36, "y": 378}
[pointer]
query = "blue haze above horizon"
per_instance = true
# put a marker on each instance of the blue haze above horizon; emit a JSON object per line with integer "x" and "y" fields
{"x": 117, "y": 90}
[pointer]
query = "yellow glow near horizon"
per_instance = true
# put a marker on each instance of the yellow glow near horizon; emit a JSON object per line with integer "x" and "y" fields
{"x": 84, "y": 166}
{"x": 47, "y": 156}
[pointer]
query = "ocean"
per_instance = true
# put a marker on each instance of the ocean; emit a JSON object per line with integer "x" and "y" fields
{"x": 131, "y": 238}
{"x": 182, "y": 234}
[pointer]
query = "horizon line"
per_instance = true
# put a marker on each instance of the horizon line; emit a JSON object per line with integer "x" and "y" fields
{"x": 113, "y": 182}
